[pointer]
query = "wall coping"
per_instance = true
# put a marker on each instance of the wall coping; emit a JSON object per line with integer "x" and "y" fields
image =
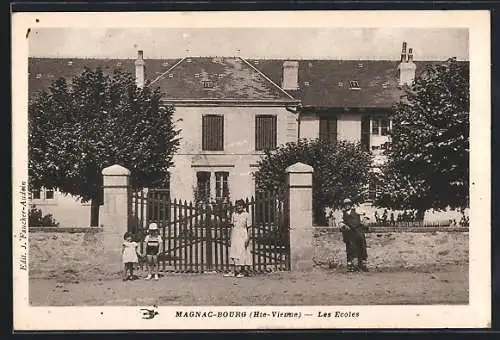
{"x": 71, "y": 230}
{"x": 116, "y": 170}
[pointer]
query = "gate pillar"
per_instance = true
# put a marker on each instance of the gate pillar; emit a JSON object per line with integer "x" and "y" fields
{"x": 300, "y": 219}
{"x": 114, "y": 214}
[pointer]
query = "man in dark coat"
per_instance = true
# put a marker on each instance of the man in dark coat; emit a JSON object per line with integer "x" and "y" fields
{"x": 354, "y": 238}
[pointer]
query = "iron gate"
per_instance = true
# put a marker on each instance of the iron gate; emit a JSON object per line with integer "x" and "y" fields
{"x": 196, "y": 235}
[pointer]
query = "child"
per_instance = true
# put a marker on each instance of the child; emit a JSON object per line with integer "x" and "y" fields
{"x": 130, "y": 255}
{"x": 152, "y": 248}
{"x": 240, "y": 250}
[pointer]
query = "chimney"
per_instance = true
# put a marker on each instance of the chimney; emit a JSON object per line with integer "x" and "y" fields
{"x": 403, "y": 52}
{"x": 290, "y": 75}
{"x": 406, "y": 67}
{"x": 139, "y": 69}
{"x": 410, "y": 55}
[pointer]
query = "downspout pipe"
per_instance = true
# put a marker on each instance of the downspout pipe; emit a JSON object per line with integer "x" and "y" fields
{"x": 296, "y": 111}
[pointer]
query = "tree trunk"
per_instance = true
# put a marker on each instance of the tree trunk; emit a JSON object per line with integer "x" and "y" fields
{"x": 94, "y": 212}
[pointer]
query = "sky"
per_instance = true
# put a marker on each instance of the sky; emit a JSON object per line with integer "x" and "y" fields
{"x": 298, "y": 43}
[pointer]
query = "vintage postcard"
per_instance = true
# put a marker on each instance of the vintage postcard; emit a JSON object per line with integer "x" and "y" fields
{"x": 251, "y": 170}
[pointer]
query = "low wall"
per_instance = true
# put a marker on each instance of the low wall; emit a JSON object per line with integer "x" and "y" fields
{"x": 396, "y": 250}
{"x": 71, "y": 256}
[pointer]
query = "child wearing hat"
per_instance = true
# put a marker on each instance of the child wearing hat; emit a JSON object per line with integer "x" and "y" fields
{"x": 152, "y": 249}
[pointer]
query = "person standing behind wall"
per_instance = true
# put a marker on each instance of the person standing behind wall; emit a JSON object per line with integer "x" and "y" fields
{"x": 354, "y": 237}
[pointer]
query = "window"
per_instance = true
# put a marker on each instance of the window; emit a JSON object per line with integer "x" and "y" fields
{"x": 328, "y": 129}
{"x": 42, "y": 194}
{"x": 380, "y": 126}
{"x": 306, "y": 83}
{"x": 221, "y": 185}
{"x": 213, "y": 133}
{"x": 36, "y": 194}
{"x": 340, "y": 84}
{"x": 208, "y": 84}
{"x": 265, "y": 132}
{"x": 375, "y": 127}
{"x": 196, "y": 75}
{"x": 203, "y": 185}
{"x": 354, "y": 85}
{"x": 49, "y": 194}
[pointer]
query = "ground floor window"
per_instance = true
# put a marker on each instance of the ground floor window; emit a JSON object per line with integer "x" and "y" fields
{"x": 42, "y": 194}
{"x": 212, "y": 185}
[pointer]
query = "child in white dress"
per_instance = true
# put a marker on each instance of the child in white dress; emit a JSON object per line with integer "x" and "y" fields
{"x": 130, "y": 255}
{"x": 240, "y": 253}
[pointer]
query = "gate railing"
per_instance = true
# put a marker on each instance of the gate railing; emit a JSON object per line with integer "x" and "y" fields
{"x": 196, "y": 236}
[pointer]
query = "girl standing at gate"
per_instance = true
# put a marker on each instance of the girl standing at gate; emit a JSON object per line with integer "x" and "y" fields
{"x": 240, "y": 251}
{"x": 152, "y": 249}
{"x": 130, "y": 255}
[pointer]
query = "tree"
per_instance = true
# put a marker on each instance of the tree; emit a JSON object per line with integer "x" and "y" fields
{"x": 77, "y": 129}
{"x": 428, "y": 156}
{"x": 340, "y": 170}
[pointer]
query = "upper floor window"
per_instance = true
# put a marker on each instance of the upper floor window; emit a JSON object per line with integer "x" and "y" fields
{"x": 380, "y": 126}
{"x": 213, "y": 133}
{"x": 265, "y": 132}
{"x": 208, "y": 84}
{"x": 354, "y": 85}
{"x": 328, "y": 129}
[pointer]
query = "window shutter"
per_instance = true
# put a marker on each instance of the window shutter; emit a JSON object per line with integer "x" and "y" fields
{"x": 265, "y": 132}
{"x": 213, "y": 133}
{"x": 328, "y": 129}
{"x": 365, "y": 132}
{"x": 332, "y": 130}
{"x": 323, "y": 128}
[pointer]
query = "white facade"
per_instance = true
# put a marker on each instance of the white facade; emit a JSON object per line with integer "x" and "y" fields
{"x": 68, "y": 210}
{"x": 239, "y": 156}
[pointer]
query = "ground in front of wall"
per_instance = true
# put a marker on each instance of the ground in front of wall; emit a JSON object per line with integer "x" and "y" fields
{"x": 439, "y": 285}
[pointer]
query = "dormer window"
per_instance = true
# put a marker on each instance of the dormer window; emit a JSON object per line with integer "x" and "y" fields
{"x": 170, "y": 75}
{"x": 70, "y": 63}
{"x": 385, "y": 84}
{"x": 354, "y": 85}
{"x": 188, "y": 60}
{"x": 165, "y": 64}
{"x": 360, "y": 65}
{"x": 38, "y": 75}
{"x": 119, "y": 64}
{"x": 306, "y": 83}
{"x": 256, "y": 62}
{"x": 221, "y": 76}
{"x": 340, "y": 84}
{"x": 208, "y": 84}
{"x": 196, "y": 75}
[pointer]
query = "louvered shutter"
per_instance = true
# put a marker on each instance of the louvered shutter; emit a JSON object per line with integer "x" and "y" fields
{"x": 365, "y": 132}
{"x": 265, "y": 132}
{"x": 213, "y": 133}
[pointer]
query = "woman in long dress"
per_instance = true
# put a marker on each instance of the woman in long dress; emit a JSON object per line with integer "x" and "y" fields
{"x": 240, "y": 253}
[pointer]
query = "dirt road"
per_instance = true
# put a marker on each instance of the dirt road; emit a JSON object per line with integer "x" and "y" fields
{"x": 445, "y": 285}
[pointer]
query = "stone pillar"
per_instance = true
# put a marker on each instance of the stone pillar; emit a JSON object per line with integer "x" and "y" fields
{"x": 300, "y": 210}
{"x": 114, "y": 214}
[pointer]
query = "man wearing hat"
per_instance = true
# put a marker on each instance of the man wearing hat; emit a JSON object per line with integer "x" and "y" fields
{"x": 354, "y": 237}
